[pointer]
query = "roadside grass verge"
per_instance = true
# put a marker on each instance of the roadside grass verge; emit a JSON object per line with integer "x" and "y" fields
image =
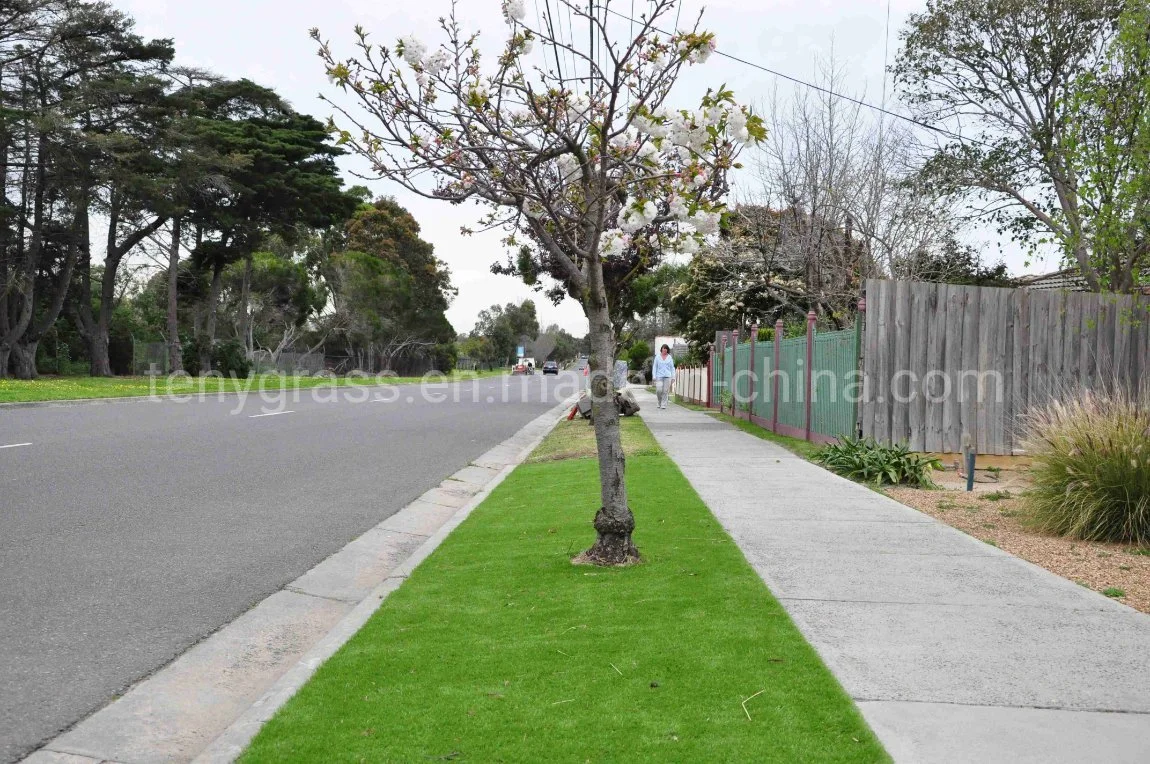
{"x": 499, "y": 649}
{"x": 575, "y": 439}
{"x": 797, "y": 446}
{"x": 50, "y": 388}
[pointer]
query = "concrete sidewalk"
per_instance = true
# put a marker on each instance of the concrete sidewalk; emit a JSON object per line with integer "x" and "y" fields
{"x": 954, "y": 650}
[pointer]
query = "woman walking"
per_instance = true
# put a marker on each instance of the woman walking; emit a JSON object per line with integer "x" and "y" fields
{"x": 664, "y": 373}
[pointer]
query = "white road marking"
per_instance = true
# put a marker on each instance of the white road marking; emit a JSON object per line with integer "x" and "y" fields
{"x": 16, "y": 445}
{"x": 274, "y": 413}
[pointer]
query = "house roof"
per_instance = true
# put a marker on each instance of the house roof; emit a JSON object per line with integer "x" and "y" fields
{"x": 1069, "y": 279}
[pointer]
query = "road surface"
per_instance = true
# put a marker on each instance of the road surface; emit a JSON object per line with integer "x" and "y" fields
{"x": 131, "y": 530}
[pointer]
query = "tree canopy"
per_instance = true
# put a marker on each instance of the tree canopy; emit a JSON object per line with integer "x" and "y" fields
{"x": 226, "y": 217}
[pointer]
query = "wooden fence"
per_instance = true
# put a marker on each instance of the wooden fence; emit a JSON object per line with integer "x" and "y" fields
{"x": 945, "y": 362}
{"x": 804, "y": 387}
{"x": 693, "y": 385}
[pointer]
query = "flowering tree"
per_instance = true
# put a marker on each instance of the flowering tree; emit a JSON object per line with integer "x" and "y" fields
{"x": 589, "y": 172}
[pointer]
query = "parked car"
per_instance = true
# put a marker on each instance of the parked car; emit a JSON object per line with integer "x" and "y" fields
{"x": 523, "y": 368}
{"x": 550, "y": 367}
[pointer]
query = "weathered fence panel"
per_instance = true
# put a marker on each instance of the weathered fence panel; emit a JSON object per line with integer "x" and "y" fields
{"x": 691, "y": 384}
{"x": 945, "y": 363}
{"x": 769, "y": 382}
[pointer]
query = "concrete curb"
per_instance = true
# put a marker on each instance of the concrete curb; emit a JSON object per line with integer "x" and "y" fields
{"x": 156, "y": 720}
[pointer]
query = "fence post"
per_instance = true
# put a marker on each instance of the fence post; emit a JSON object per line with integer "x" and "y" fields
{"x": 859, "y": 321}
{"x": 754, "y": 339}
{"x": 710, "y": 378}
{"x": 722, "y": 371}
{"x": 775, "y": 375}
{"x": 734, "y": 368}
{"x": 811, "y": 318}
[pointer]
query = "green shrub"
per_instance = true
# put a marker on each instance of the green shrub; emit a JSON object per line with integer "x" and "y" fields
{"x": 639, "y": 353}
{"x": 1091, "y": 467}
{"x": 865, "y": 460}
{"x": 190, "y": 355}
{"x": 230, "y": 358}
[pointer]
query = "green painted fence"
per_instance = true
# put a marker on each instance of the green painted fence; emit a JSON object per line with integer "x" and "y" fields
{"x": 746, "y": 381}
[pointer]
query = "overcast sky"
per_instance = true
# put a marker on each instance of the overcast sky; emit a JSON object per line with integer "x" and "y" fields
{"x": 267, "y": 41}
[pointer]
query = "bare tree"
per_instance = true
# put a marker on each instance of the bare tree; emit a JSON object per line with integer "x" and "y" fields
{"x": 836, "y": 200}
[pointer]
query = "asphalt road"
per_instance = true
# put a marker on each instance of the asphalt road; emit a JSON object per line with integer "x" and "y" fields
{"x": 129, "y": 531}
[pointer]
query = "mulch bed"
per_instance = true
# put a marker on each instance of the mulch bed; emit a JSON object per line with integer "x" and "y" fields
{"x": 995, "y": 514}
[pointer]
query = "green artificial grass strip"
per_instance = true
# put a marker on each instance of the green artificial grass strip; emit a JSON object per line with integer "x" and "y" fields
{"x": 79, "y": 388}
{"x": 499, "y": 649}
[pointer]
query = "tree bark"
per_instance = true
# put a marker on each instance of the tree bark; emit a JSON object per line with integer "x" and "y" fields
{"x": 5, "y": 352}
{"x": 114, "y": 255}
{"x": 210, "y": 323}
{"x": 614, "y": 522}
{"x": 245, "y": 327}
{"x": 175, "y": 358}
{"x": 24, "y": 360}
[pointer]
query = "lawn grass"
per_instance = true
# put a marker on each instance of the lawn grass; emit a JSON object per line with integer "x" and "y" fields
{"x": 50, "y": 388}
{"x": 497, "y": 648}
{"x": 797, "y": 446}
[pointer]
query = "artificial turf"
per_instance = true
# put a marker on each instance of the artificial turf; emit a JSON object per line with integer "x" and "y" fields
{"x": 499, "y": 649}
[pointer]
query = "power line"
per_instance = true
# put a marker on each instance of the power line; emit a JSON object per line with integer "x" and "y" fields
{"x": 551, "y": 31}
{"x": 812, "y": 86}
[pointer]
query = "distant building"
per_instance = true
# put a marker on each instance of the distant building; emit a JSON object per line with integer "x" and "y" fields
{"x": 1068, "y": 279}
{"x": 678, "y": 346}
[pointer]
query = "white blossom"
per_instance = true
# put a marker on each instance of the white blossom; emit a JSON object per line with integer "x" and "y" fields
{"x": 648, "y": 151}
{"x": 632, "y": 218}
{"x": 705, "y": 222}
{"x": 569, "y": 168}
{"x": 700, "y": 54}
{"x": 737, "y": 126}
{"x": 678, "y": 208}
{"x": 613, "y": 243}
{"x": 626, "y": 141}
{"x": 689, "y": 132}
{"x": 689, "y": 245}
{"x": 579, "y": 107}
{"x": 413, "y": 50}
{"x": 514, "y": 10}
{"x": 656, "y": 126}
{"x": 435, "y": 63}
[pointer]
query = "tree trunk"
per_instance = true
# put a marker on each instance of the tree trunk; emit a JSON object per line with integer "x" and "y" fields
{"x": 210, "y": 323}
{"x": 101, "y": 365}
{"x": 98, "y": 348}
{"x": 245, "y": 298}
{"x": 24, "y": 360}
{"x": 5, "y": 352}
{"x": 614, "y": 522}
{"x": 175, "y": 358}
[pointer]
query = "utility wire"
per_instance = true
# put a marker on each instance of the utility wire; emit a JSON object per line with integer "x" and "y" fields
{"x": 827, "y": 91}
{"x": 551, "y": 31}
